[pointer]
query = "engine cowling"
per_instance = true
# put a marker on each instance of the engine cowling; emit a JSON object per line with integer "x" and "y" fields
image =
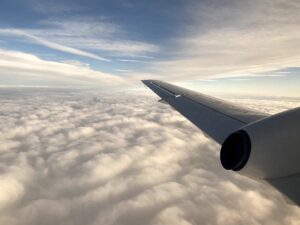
{"x": 268, "y": 148}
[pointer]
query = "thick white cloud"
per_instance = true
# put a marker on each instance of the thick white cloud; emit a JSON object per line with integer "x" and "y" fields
{"x": 90, "y": 158}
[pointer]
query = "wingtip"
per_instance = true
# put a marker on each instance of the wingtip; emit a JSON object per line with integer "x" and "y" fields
{"x": 146, "y": 81}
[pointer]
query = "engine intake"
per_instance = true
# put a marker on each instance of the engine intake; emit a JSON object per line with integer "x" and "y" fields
{"x": 235, "y": 151}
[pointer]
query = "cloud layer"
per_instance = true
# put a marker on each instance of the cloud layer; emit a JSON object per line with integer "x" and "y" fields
{"x": 89, "y": 158}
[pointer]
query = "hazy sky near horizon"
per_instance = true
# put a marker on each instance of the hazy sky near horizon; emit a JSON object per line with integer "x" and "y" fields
{"x": 235, "y": 46}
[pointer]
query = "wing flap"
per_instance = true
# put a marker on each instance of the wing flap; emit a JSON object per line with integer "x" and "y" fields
{"x": 289, "y": 186}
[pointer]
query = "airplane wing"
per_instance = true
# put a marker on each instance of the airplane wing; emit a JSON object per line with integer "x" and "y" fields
{"x": 254, "y": 144}
{"x": 215, "y": 117}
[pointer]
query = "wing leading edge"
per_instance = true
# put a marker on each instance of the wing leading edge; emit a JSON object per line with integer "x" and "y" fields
{"x": 215, "y": 117}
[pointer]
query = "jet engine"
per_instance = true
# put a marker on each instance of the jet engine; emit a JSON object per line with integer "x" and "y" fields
{"x": 267, "y": 148}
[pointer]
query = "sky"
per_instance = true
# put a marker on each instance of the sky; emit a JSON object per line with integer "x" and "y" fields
{"x": 82, "y": 141}
{"x": 244, "y": 47}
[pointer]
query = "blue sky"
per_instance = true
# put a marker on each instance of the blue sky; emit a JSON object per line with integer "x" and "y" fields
{"x": 234, "y": 46}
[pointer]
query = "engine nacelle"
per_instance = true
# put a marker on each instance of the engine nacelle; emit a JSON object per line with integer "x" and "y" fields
{"x": 268, "y": 148}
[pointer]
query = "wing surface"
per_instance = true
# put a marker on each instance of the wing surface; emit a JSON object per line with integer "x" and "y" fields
{"x": 218, "y": 119}
{"x": 215, "y": 117}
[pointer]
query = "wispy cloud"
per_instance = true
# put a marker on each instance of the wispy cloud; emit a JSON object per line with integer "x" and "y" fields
{"x": 50, "y": 44}
{"x": 54, "y": 6}
{"x": 19, "y": 64}
{"x": 131, "y": 60}
{"x": 81, "y": 35}
{"x": 208, "y": 80}
{"x": 95, "y": 34}
{"x": 142, "y": 59}
{"x": 240, "y": 79}
{"x": 123, "y": 70}
{"x": 283, "y": 72}
{"x": 239, "y": 37}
